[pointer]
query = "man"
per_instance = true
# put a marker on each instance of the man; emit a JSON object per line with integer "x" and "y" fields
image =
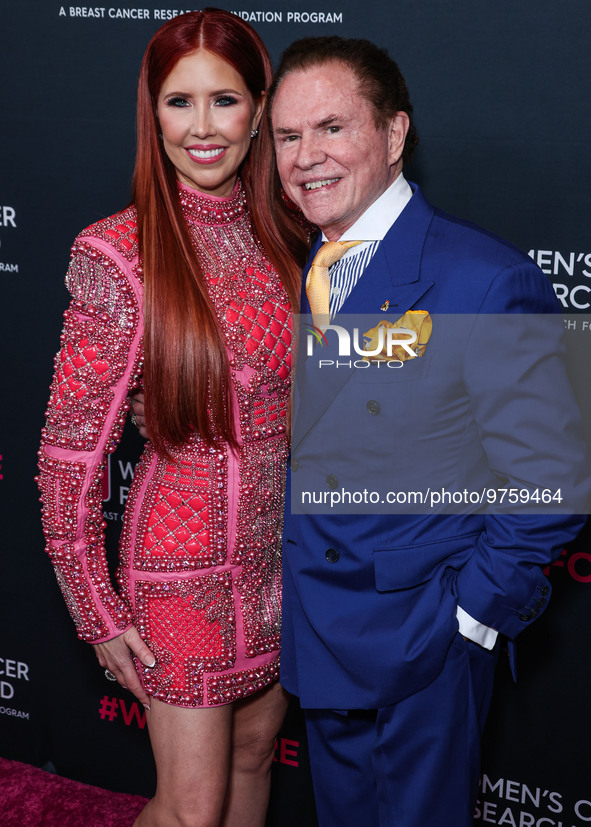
{"x": 392, "y": 620}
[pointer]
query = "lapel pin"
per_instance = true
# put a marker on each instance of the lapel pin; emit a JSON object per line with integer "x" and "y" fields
{"x": 385, "y": 305}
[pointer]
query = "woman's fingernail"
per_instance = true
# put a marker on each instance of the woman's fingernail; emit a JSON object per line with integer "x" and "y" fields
{"x": 146, "y": 706}
{"x": 150, "y": 665}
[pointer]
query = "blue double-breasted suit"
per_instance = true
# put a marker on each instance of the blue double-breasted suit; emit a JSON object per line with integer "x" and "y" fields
{"x": 370, "y": 593}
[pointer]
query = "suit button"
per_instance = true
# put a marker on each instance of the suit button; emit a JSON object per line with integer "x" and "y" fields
{"x": 332, "y": 482}
{"x": 541, "y": 602}
{"x": 294, "y": 464}
{"x": 332, "y": 555}
{"x": 524, "y": 617}
{"x": 373, "y": 407}
{"x": 544, "y": 590}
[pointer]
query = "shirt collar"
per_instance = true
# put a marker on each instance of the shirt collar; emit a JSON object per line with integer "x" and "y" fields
{"x": 379, "y": 216}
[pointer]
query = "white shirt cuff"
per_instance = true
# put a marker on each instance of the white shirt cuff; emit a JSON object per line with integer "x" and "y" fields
{"x": 477, "y": 632}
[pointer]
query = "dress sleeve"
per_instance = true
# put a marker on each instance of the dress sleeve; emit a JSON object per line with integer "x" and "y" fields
{"x": 98, "y": 364}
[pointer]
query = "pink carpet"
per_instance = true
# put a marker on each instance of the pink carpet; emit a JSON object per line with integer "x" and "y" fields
{"x": 30, "y": 797}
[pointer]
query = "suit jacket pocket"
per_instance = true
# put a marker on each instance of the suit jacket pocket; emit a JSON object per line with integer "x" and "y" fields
{"x": 403, "y": 567}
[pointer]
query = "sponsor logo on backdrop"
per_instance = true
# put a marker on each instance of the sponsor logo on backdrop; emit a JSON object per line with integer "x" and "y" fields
{"x": 514, "y": 804}
{"x": 568, "y": 272}
{"x": 131, "y": 713}
{"x": 12, "y": 673}
{"x": 8, "y": 222}
{"x": 117, "y": 480}
{"x": 114, "y": 12}
{"x": 577, "y": 565}
{"x": 8, "y": 217}
{"x": 258, "y": 16}
{"x": 286, "y": 752}
{"x": 290, "y": 16}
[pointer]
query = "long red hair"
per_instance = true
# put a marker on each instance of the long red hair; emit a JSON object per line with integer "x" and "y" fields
{"x": 186, "y": 371}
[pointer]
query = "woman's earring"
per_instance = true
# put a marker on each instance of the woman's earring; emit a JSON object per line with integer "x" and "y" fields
{"x": 254, "y": 133}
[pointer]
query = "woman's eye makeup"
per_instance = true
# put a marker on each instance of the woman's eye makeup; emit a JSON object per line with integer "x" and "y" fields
{"x": 177, "y": 100}
{"x": 182, "y": 101}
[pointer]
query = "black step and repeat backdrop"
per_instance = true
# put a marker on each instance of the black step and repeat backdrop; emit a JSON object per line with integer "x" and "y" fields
{"x": 502, "y": 96}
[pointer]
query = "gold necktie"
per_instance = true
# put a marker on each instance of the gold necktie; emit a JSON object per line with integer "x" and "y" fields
{"x": 318, "y": 281}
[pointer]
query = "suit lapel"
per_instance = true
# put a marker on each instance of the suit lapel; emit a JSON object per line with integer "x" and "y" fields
{"x": 393, "y": 274}
{"x": 377, "y": 285}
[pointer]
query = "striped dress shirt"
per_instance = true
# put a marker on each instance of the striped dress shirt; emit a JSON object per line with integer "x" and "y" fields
{"x": 346, "y": 272}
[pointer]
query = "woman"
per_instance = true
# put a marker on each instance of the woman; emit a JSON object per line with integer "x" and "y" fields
{"x": 206, "y": 283}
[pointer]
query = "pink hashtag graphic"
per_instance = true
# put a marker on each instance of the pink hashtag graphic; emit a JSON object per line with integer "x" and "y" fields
{"x": 132, "y": 713}
{"x": 108, "y": 708}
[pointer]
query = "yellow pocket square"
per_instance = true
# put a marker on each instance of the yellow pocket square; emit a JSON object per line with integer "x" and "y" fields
{"x": 413, "y": 330}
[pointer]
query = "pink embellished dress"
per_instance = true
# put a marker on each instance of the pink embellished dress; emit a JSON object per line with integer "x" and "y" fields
{"x": 200, "y": 551}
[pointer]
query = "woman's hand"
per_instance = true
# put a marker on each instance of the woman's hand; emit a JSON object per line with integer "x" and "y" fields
{"x": 137, "y": 412}
{"x": 116, "y": 656}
